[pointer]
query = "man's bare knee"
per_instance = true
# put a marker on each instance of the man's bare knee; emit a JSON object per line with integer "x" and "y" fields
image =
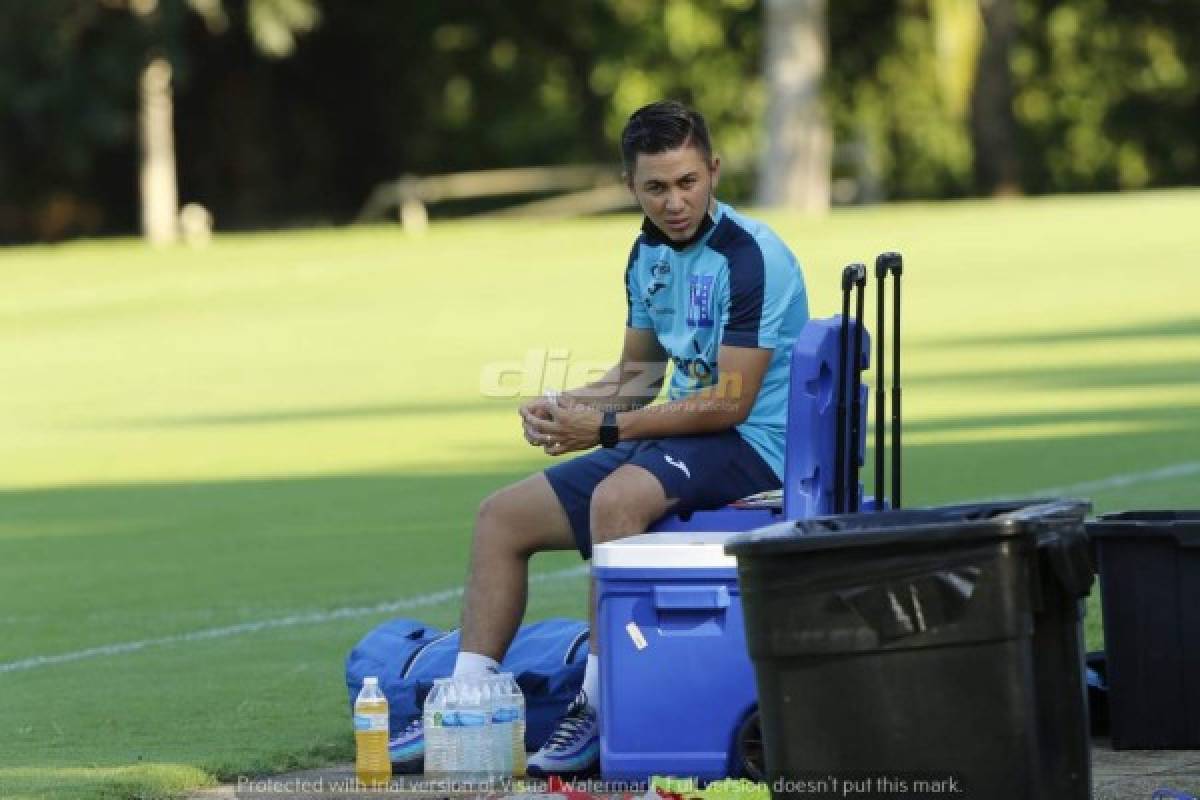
{"x": 522, "y": 519}
{"x": 615, "y": 513}
{"x": 491, "y": 511}
{"x": 494, "y": 531}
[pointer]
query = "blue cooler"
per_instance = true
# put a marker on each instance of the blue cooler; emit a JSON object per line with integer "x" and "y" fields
{"x": 676, "y": 681}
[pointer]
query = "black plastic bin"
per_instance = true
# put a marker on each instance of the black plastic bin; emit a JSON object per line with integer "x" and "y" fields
{"x": 922, "y": 653}
{"x": 1149, "y": 565}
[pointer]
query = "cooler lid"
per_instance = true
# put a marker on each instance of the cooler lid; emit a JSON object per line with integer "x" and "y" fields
{"x": 666, "y": 550}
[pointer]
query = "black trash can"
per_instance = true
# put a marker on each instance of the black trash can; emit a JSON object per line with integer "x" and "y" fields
{"x": 921, "y": 653}
{"x": 1065, "y": 576}
{"x": 1150, "y": 591}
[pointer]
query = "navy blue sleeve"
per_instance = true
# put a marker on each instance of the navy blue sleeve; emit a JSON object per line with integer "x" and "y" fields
{"x": 635, "y": 314}
{"x": 747, "y": 281}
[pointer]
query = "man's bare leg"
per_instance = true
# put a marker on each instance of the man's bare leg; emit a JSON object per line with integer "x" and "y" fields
{"x": 513, "y": 524}
{"x": 624, "y": 504}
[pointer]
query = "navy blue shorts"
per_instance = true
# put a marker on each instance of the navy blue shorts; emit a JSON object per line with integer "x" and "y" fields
{"x": 703, "y": 472}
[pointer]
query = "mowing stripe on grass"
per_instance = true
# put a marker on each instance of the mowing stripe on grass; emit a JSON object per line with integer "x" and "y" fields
{"x": 420, "y": 601}
{"x": 436, "y": 598}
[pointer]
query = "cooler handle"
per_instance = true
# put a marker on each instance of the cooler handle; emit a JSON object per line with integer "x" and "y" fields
{"x": 690, "y": 598}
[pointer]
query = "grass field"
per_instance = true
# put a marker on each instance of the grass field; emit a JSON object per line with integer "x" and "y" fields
{"x": 231, "y": 457}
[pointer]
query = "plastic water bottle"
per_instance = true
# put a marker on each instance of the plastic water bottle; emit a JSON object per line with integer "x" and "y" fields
{"x": 480, "y": 765}
{"x": 498, "y": 736}
{"x": 474, "y": 722}
{"x": 516, "y": 701}
{"x": 372, "y": 764}
{"x": 509, "y": 720}
{"x": 437, "y": 732}
{"x": 454, "y": 739}
{"x": 493, "y": 766}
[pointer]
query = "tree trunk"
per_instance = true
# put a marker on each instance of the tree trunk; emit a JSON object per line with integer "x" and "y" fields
{"x": 993, "y": 126}
{"x": 159, "y": 194}
{"x": 796, "y": 163}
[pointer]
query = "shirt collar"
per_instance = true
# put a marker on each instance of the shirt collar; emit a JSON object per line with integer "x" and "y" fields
{"x": 655, "y": 236}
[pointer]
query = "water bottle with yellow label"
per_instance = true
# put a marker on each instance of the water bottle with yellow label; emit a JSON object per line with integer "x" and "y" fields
{"x": 371, "y": 764}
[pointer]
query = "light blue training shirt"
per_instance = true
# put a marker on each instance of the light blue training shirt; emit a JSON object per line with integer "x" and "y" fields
{"x": 734, "y": 283}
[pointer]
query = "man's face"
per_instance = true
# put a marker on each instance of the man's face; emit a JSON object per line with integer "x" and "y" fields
{"x": 674, "y": 189}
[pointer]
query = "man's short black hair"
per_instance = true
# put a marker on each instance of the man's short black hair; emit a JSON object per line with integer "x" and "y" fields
{"x": 662, "y": 126}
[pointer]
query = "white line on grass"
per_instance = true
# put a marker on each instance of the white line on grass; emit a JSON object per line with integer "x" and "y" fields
{"x": 420, "y": 601}
{"x": 437, "y": 598}
{"x": 1120, "y": 481}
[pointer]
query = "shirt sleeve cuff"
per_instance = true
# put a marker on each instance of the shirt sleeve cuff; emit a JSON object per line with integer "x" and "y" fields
{"x": 747, "y": 339}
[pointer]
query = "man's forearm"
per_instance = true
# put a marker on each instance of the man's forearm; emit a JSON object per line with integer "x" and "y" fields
{"x": 706, "y": 412}
{"x": 619, "y": 392}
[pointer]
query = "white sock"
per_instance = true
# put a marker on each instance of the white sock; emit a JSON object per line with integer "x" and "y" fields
{"x": 591, "y": 681}
{"x": 473, "y": 664}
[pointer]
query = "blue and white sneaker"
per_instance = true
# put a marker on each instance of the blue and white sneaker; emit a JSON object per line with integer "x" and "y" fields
{"x": 407, "y": 750}
{"x": 573, "y": 750}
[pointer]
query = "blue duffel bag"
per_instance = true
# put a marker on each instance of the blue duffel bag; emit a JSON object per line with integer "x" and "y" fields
{"x": 547, "y": 659}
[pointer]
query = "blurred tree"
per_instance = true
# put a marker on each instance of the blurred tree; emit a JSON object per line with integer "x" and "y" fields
{"x": 898, "y": 88}
{"x": 997, "y": 166}
{"x": 157, "y": 184}
{"x": 67, "y": 82}
{"x": 795, "y": 164}
{"x": 273, "y": 25}
{"x": 556, "y": 83}
{"x": 552, "y": 85}
{"x": 974, "y": 41}
{"x": 1106, "y": 94}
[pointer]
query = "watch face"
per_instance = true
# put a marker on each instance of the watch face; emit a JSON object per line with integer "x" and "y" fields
{"x": 608, "y": 430}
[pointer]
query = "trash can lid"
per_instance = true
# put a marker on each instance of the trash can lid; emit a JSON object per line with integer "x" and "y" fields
{"x": 1182, "y": 526}
{"x": 703, "y": 549}
{"x": 948, "y": 525}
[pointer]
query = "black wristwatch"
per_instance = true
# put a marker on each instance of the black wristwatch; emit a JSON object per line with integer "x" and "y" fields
{"x": 609, "y": 436}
